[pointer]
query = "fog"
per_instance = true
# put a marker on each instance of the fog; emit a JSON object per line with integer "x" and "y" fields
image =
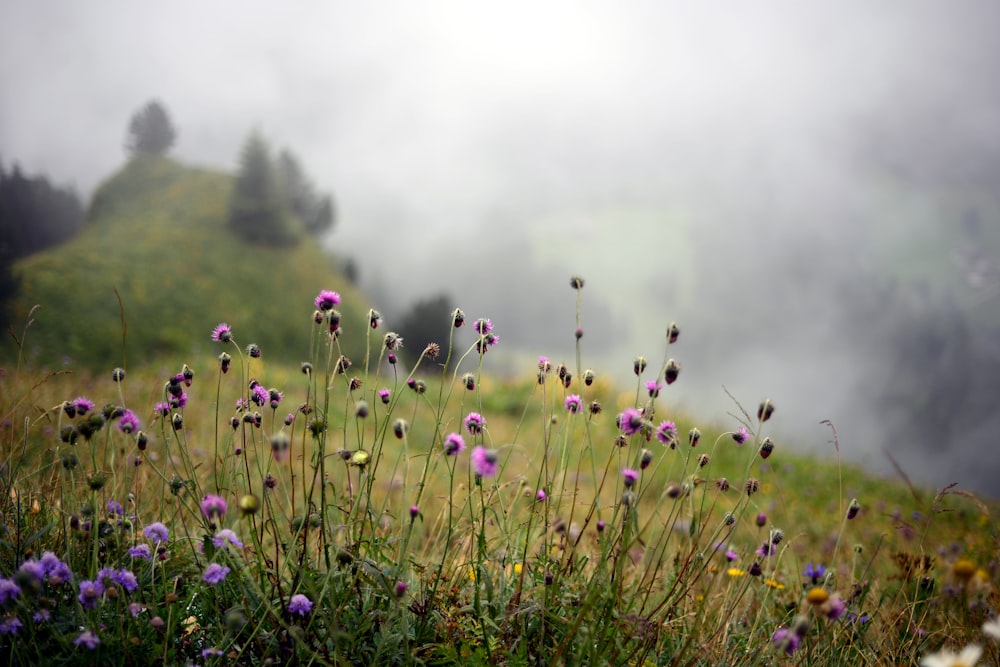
{"x": 743, "y": 169}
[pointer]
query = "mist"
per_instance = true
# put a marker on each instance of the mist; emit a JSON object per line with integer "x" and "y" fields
{"x": 743, "y": 170}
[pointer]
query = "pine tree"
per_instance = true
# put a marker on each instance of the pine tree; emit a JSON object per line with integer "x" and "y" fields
{"x": 257, "y": 210}
{"x": 150, "y": 131}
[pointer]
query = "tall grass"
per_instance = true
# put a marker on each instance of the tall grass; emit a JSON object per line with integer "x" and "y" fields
{"x": 355, "y": 512}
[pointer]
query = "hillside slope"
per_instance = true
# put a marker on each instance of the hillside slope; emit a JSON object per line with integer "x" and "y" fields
{"x": 156, "y": 233}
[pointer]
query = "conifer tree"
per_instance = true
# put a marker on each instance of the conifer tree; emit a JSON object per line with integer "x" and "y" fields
{"x": 150, "y": 131}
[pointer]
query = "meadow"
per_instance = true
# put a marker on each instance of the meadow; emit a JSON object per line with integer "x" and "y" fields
{"x": 225, "y": 509}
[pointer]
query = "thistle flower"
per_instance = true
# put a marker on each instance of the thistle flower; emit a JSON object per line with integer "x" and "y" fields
{"x": 385, "y": 396}
{"x": 740, "y": 435}
{"x": 484, "y": 461}
{"x": 222, "y": 333}
{"x": 474, "y": 423}
{"x": 653, "y": 388}
{"x": 454, "y": 444}
{"x": 483, "y": 326}
{"x": 630, "y": 477}
{"x": 82, "y": 405}
{"x": 574, "y": 403}
{"x": 814, "y": 573}
{"x": 630, "y": 421}
{"x": 666, "y": 433}
{"x": 326, "y": 300}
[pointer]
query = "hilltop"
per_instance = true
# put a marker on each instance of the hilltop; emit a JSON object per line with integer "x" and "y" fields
{"x": 156, "y": 234}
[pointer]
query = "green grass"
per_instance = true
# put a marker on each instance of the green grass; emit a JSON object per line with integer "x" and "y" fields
{"x": 485, "y": 572}
{"x": 156, "y": 235}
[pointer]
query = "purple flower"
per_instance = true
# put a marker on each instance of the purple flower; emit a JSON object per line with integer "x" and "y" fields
{"x": 630, "y": 477}
{"x": 259, "y": 395}
{"x": 541, "y": 495}
{"x": 384, "y": 395}
{"x": 10, "y": 626}
{"x": 483, "y": 326}
{"x": 653, "y": 387}
{"x": 544, "y": 365}
{"x": 453, "y": 444}
{"x": 666, "y": 432}
{"x": 326, "y": 300}
{"x": 56, "y": 571}
{"x": 835, "y": 607}
{"x": 741, "y": 435}
{"x": 8, "y": 590}
{"x": 90, "y": 593}
{"x": 299, "y": 604}
{"x": 213, "y": 506}
{"x": 33, "y": 569}
{"x": 784, "y": 639}
{"x": 115, "y": 508}
{"x": 83, "y": 405}
{"x": 222, "y": 333}
{"x": 41, "y": 616}
{"x": 484, "y": 461}
{"x": 87, "y": 638}
{"x": 215, "y": 574}
{"x": 574, "y": 403}
{"x": 140, "y": 551}
{"x": 766, "y": 549}
{"x": 224, "y": 537}
{"x": 135, "y": 609}
{"x": 128, "y": 422}
{"x": 156, "y": 532}
{"x": 125, "y": 579}
{"x": 731, "y": 555}
{"x": 274, "y": 398}
{"x": 474, "y": 423}
{"x": 814, "y": 572}
{"x": 630, "y": 421}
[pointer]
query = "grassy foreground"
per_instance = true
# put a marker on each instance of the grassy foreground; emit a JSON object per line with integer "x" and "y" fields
{"x": 352, "y": 512}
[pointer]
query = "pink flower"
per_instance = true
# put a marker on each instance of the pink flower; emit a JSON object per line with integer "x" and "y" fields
{"x": 484, "y": 461}
{"x": 326, "y": 300}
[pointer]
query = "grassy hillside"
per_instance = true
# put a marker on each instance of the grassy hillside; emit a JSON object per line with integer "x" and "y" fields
{"x": 156, "y": 233}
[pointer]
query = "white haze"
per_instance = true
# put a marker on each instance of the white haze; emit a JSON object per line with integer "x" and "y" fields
{"x": 486, "y": 150}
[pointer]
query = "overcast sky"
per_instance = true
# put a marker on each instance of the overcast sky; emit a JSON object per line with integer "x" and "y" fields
{"x": 486, "y": 148}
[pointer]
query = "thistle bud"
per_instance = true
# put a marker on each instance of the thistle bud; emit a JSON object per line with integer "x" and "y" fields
{"x": 638, "y": 365}
{"x": 673, "y": 331}
{"x": 765, "y": 410}
{"x": 672, "y": 371}
{"x": 576, "y": 283}
{"x": 853, "y": 508}
{"x": 766, "y": 448}
{"x": 588, "y": 377}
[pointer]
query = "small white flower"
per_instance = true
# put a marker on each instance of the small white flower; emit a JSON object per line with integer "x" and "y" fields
{"x": 969, "y": 657}
{"x": 991, "y": 628}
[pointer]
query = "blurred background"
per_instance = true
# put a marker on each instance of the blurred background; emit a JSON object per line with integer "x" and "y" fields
{"x": 810, "y": 190}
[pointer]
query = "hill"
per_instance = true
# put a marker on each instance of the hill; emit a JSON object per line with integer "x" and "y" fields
{"x": 156, "y": 234}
